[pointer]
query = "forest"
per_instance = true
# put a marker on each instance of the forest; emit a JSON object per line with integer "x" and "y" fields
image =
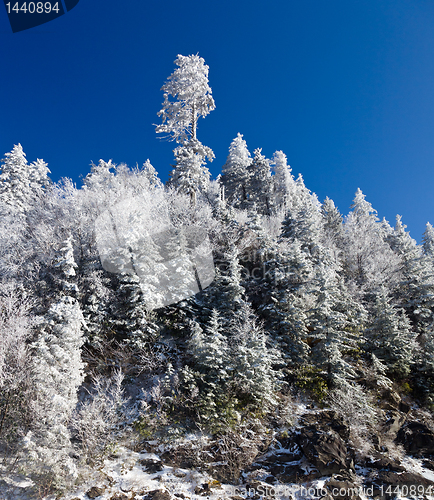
{"x": 134, "y": 311}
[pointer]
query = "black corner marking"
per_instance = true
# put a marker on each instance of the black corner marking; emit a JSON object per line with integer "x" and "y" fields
{"x": 70, "y": 4}
{"x": 24, "y": 15}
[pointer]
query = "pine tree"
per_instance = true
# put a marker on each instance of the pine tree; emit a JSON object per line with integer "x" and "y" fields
{"x": 151, "y": 175}
{"x": 20, "y": 183}
{"x": 284, "y": 183}
{"x": 58, "y": 372}
{"x": 236, "y": 173}
{"x": 190, "y": 173}
{"x": 368, "y": 259}
{"x": 333, "y": 225}
{"x": 253, "y": 359}
{"x": 389, "y": 337}
{"x": 260, "y": 187}
{"x": 289, "y": 274}
{"x": 428, "y": 241}
{"x": 334, "y": 322}
{"x": 414, "y": 289}
{"x": 188, "y": 85}
{"x": 132, "y": 318}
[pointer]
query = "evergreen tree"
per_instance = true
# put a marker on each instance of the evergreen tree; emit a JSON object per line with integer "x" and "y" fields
{"x": 58, "y": 373}
{"x": 151, "y": 175}
{"x": 389, "y": 336}
{"x": 334, "y": 322}
{"x": 333, "y": 225}
{"x": 20, "y": 183}
{"x": 284, "y": 183}
{"x": 236, "y": 173}
{"x": 414, "y": 290}
{"x": 368, "y": 259}
{"x": 190, "y": 173}
{"x": 290, "y": 275}
{"x": 133, "y": 320}
{"x": 188, "y": 85}
{"x": 260, "y": 187}
{"x": 253, "y": 359}
{"x": 428, "y": 241}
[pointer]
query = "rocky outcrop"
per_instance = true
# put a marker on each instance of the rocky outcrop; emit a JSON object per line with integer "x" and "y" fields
{"x": 417, "y": 439}
{"x": 325, "y": 449}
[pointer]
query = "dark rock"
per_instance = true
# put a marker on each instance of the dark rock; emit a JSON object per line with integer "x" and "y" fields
{"x": 429, "y": 464}
{"x": 327, "y": 419}
{"x": 389, "y": 400}
{"x": 119, "y": 496}
{"x": 404, "y": 407}
{"x": 417, "y": 438}
{"x": 386, "y": 463}
{"x": 404, "y": 478}
{"x": 324, "y": 449}
{"x": 158, "y": 495}
{"x": 203, "y": 489}
{"x": 292, "y": 474}
{"x": 95, "y": 492}
{"x": 342, "y": 490}
{"x": 151, "y": 465}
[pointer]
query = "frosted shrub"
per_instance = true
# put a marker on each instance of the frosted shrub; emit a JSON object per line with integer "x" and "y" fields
{"x": 97, "y": 420}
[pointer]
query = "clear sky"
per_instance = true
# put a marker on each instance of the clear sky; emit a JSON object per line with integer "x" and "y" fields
{"x": 345, "y": 88}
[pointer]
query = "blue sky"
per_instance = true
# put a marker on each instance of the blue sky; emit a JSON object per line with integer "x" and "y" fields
{"x": 344, "y": 88}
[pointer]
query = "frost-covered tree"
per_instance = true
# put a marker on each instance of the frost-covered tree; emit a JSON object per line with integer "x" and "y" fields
{"x": 414, "y": 289}
{"x": 58, "y": 372}
{"x": 236, "y": 173}
{"x": 151, "y": 175}
{"x": 188, "y": 86}
{"x": 16, "y": 384}
{"x": 284, "y": 183}
{"x": 190, "y": 173}
{"x": 20, "y": 183}
{"x": 260, "y": 187}
{"x": 253, "y": 359}
{"x": 389, "y": 336}
{"x": 428, "y": 241}
{"x": 368, "y": 259}
{"x": 303, "y": 221}
{"x": 334, "y": 325}
{"x": 290, "y": 274}
{"x": 333, "y": 234}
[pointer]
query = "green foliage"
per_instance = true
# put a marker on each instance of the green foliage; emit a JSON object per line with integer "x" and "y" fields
{"x": 313, "y": 381}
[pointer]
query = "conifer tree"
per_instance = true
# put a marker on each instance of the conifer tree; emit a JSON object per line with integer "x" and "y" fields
{"x": 414, "y": 289}
{"x": 290, "y": 276}
{"x": 334, "y": 322}
{"x": 428, "y": 241}
{"x": 260, "y": 187}
{"x": 284, "y": 183}
{"x": 253, "y": 359}
{"x": 20, "y": 183}
{"x": 368, "y": 259}
{"x": 58, "y": 372}
{"x": 389, "y": 336}
{"x": 151, "y": 175}
{"x": 236, "y": 173}
{"x": 333, "y": 225}
{"x": 188, "y": 85}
